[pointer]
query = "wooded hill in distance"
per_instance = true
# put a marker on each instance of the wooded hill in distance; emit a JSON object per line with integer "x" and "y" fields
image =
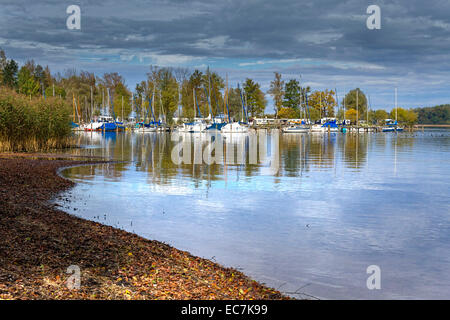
{"x": 434, "y": 115}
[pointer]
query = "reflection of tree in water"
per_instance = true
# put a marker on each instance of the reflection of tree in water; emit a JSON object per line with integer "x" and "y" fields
{"x": 354, "y": 148}
{"x": 301, "y": 151}
{"x": 294, "y": 154}
{"x": 298, "y": 153}
{"x": 321, "y": 151}
{"x": 403, "y": 141}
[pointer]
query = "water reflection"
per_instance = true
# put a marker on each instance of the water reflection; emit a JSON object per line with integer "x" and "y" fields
{"x": 297, "y": 154}
{"x": 299, "y": 209}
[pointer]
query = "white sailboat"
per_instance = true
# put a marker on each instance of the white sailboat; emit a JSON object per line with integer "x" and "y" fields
{"x": 198, "y": 126}
{"x": 392, "y": 126}
{"x": 237, "y": 127}
{"x": 234, "y": 127}
{"x": 296, "y": 129}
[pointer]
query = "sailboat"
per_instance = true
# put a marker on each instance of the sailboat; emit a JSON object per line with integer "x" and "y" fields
{"x": 302, "y": 128}
{"x": 198, "y": 125}
{"x": 151, "y": 126}
{"x": 392, "y": 125}
{"x": 106, "y": 123}
{"x": 237, "y": 127}
{"x": 218, "y": 121}
{"x": 215, "y": 126}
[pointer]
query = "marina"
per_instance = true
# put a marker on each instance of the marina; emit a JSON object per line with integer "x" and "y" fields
{"x": 225, "y": 151}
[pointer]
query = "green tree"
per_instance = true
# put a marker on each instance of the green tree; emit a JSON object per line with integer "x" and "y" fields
{"x": 277, "y": 92}
{"x": 256, "y": 101}
{"x": 379, "y": 116}
{"x": 27, "y": 83}
{"x": 3, "y": 62}
{"x": 194, "y": 84}
{"x": 235, "y": 103}
{"x": 434, "y": 115}
{"x": 349, "y": 102}
{"x": 168, "y": 94}
{"x": 9, "y": 74}
{"x": 217, "y": 84}
{"x": 122, "y": 101}
{"x": 292, "y": 96}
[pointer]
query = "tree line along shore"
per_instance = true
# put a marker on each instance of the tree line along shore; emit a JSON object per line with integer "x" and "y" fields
{"x": 37, "y": 107}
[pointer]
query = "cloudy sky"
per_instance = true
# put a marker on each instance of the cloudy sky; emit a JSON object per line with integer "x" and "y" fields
{"x": 325, "y": 42}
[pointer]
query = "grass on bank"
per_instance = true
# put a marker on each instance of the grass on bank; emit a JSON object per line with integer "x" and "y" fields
{"x": 33, "y": 124}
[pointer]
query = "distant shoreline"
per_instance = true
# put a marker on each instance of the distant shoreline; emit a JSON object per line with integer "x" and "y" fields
{"x": 432, "y": 125}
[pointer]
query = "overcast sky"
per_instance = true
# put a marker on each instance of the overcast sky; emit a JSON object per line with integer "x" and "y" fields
{"x": 325, "y": 42}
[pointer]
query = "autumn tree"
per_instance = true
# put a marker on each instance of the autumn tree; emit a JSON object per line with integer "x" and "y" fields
{"x": 408, "y": 117}
{"x": 350, "y": 114}
{"x": 322, "y": 104}
{"x": 288, "y": 113}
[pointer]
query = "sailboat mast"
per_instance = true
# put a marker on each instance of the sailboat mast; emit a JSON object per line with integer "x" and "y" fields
{"x": 109, "y": 101}
{"x": 161, "y": 109}
{"x": 395, "y": 104}
{"x": 367, "y": 113}
{"x": 337, "y": 102}
{"x": 193, "y": 96}
{"x": 132, "y": 102}
{"x": 92, "y": 104}
{"x": 357, "y": 107}
{"x": 320, "y": 106}
{"x": 228, "y": 111}
{"x": 153, "y": 104}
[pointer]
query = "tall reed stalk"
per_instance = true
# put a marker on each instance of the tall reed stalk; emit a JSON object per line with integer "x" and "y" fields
{"x": 33, "y": 124}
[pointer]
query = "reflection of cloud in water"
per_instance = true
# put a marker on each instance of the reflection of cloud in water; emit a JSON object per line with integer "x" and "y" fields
{"x": 337, "y": 205}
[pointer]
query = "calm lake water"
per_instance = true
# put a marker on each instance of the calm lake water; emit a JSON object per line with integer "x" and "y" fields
{"x": 334, "y": 205}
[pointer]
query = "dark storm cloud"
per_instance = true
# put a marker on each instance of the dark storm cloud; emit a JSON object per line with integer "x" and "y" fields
{"x": 257, "y": 37}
